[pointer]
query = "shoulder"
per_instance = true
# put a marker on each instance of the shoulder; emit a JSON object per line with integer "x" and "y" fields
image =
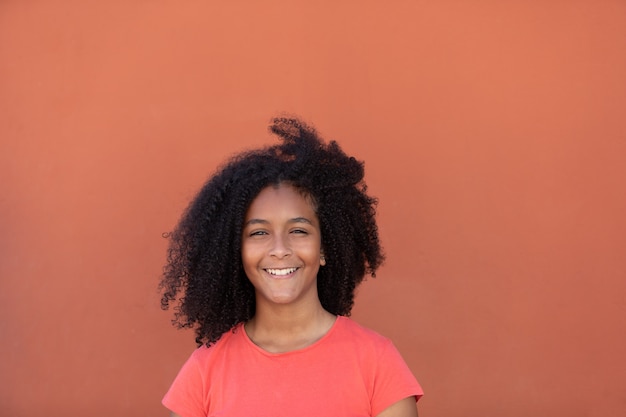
{"x": 383, "y": 370}
{"x": 226, "y": 343}
{"x": 360, "y": 337}
{"x": 367, "y": 346}
{"x": 351, "y": 328}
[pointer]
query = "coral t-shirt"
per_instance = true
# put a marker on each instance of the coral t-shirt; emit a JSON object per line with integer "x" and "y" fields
{"x": 350, "y": 372}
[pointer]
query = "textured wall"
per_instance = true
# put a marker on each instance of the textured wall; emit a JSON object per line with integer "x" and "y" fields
{"x": 493, "y": 133}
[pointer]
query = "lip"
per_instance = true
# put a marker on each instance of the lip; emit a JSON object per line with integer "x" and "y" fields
{"x": 281, "y": 273}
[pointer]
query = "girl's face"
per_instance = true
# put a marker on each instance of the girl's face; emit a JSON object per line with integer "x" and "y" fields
{"x": 281, "y": 247}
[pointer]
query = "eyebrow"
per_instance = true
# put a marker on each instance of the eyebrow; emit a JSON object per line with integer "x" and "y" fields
{"x": 294, "y": 220}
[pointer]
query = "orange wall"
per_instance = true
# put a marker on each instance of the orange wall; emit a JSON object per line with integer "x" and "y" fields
{"x": 494, "y": 135}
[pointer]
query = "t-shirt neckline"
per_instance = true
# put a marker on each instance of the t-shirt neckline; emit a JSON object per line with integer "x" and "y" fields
{"x": 313, "y": 345}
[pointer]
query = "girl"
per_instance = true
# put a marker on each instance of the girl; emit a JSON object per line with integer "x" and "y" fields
{"x": 264, "y": 264}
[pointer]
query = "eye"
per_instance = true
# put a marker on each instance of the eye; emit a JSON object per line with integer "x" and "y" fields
{"x": 258, "y": 233}
{"x": 300, "y": 231}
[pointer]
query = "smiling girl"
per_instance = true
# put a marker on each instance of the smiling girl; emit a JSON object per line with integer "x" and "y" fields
{"x": 264, "y": 264}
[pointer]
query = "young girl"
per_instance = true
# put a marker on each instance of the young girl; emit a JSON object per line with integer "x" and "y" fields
{"x": 264, "y": 264}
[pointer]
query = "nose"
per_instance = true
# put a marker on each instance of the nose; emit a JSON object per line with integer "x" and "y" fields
{"x": 280, "y": 247}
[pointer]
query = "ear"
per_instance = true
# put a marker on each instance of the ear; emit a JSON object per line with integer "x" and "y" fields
{"x": 322, "y": 259}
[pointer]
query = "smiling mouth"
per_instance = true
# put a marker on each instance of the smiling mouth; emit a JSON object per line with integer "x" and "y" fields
{"x": 280, "y": 272}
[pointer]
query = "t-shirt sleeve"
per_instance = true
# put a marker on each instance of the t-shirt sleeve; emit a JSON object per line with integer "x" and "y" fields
{"x": 393, "y": 381}
{"x": 186, "y": 394}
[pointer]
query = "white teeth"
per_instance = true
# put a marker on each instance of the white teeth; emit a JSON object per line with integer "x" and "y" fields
{"x": 285, "y": 271}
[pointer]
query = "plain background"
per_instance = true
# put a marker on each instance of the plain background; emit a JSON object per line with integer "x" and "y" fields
{"x": 494, "y": 135}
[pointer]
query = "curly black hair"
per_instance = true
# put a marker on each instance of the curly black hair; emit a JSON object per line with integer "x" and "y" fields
{"x": 204, "y": 270}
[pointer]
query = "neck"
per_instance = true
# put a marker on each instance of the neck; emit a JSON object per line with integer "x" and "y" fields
{"x": 279, "y": 328}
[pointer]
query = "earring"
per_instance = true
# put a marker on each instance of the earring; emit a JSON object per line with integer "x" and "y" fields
{"x": 322, "y": 260}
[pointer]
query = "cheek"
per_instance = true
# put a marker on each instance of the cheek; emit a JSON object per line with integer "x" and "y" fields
{"x": 249, "y": 268}
{"x": 310, "y": 252}
{"x": 246, "y": 257}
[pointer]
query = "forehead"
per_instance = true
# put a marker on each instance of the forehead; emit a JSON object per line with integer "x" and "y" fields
{"x": 282, "y": 199}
